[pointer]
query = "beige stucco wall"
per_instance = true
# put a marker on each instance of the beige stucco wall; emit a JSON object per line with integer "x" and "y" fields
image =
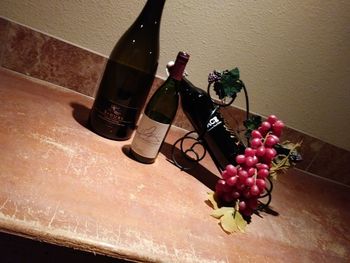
{"x": 294, "y": 55}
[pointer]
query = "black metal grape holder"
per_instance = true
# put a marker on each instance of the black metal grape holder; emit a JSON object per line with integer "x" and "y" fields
{"x": 193, "y": 150}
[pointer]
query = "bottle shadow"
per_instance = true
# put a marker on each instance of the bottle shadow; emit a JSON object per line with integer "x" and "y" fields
{"x": 81, "y": 114}
{"x": 198, "y": 171}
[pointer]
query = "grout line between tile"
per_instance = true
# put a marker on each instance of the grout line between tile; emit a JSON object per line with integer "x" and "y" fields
{"x": 323, "y": 178}
{"x": 4, "y": 48}
{"x": 314, "y": 157}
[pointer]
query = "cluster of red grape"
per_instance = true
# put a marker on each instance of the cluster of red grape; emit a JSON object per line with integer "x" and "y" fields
{"x": 246, "y": 181}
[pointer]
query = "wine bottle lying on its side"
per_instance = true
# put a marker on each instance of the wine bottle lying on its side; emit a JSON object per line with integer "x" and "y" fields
{"x": 222, "y": 145}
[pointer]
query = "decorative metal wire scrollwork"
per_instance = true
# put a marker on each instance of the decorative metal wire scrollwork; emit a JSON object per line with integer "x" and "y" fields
{"x": 189, "y": 154}
{"x": 263, "y": 203}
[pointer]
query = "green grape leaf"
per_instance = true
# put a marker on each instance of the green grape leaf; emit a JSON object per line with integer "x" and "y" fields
{"x": 280, "y": 164}
{"x": 281, "y": 160}
{"x": 230, "y": 219}
{"x": 273, "y": 174}
{"x": 253, "y": 122}
{"x": 219, "y": 90}
{"x": 211, "y": 198}
{"x": 241, "y": 223}
{"x": 230, "y": 82}
{"x": 292, "y": 150}
{"x": 287, "y": 145}
{"x": 233, "y": 222}
{"x": 286, "y": 158}
{"x": 228, "y": 223}
{"x": 217, "y": 213}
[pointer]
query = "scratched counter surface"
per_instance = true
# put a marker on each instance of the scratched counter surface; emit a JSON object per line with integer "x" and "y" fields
{"x": 60, "y": 183}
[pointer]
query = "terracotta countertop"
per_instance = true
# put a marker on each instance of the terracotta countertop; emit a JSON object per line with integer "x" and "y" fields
{"x": 62, "y": 184}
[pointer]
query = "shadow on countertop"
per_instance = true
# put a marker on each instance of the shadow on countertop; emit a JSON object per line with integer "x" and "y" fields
{"x": 198, "y": 171}
{"x": 81, "y": 114}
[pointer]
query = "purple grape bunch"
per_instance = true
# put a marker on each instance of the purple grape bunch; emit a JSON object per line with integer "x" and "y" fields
{"x": 214, "y": 76}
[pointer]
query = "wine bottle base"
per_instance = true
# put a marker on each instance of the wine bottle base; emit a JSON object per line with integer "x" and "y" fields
{"x": 108, "y": 135}
{"x": 140, "y": 158}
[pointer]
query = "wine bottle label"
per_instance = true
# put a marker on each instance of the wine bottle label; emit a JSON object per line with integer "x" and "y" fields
{"x": 116, "y": 114}
{"x": 213, "y": 122}
{"x": 149, "y": 137}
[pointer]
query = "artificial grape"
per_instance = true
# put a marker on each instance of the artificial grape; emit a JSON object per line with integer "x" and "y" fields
{"x": 249, "y": 181}
{"x": 260, "y": 151}
{"x": 214, "y": 76}
{"x": 256, "y": 134}
{"x": 251, "y": 171}
{"x": 240, "y": 186}
{"x": 249, "y": 152}
{"x": 249, "y": 161}
{"x": 261, "y": 183}
{"x": 254, "y": 190}
{"x": 242, "y": 205}
{"x": 267, "y": 160}
{"x": 246, "y": 193}
{"x": 262, "y": 131}
{"x": 228, "y": 197}
{"x": 247, "y": 212}
{"x": 253, "y": 203}
{"x": 277, "y": 127}
{"x": 236, "y": 194}
{"x": 272, "y": 119}
{"x": 265, "y": 126}
{"x": 270, "y": 153}
{"x": 221, "y": 186}
{"x": 240, "y": 158}
{"x": 232, "y": 180}
{"x": 275, "y": 137}
{"x": 262, "y": 166}
{"x": 255, "y": 143}
{"x": 255, "y": 160}
{"x": 243, "y": 175}
{"x": 225, "y": 175}
{"x": 263, "y": 173}
{"x": 270, "y": 141}
{"x": 231, "y": 170}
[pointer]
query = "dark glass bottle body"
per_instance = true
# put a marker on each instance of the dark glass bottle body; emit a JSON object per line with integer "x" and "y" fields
{"x": 159, "y": 114}
{"x": 221, "y": 144}
{"x": 128, "y": 76}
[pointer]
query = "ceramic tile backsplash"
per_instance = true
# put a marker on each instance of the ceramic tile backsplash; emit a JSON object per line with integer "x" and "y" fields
{"x": 332, "y": 163}
{"x": 3, "y": 35}
{"x": 29, "y": 52}
{"x": 38, "y": 55}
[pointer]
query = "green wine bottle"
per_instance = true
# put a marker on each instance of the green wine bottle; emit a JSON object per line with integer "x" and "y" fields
{"x": 128, "y": 76}
{"x": 159, "y": 114}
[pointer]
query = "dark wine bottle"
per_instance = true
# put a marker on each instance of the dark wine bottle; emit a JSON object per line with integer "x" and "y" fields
{"x": 159, "y": 114}
{"x": 128, "y": 76}
{"x": 221, "y": 143}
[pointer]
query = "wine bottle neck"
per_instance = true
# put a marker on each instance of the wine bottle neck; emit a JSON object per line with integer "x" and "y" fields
{"x": 177, "y": 73}
{"x": 151, "y": 13}
{"x": 178, "y": 69}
